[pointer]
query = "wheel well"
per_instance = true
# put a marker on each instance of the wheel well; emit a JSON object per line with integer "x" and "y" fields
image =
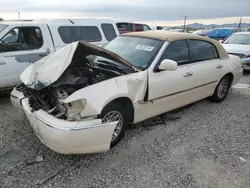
{"x": 127, "y": 104}
{"x": 231, "y": 76}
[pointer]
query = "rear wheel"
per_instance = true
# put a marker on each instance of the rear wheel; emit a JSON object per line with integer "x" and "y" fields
{"x": 221, "y": 90}
{"x": 116, "y": 112}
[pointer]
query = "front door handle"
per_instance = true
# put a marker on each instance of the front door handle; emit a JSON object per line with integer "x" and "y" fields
{"x": 219, "y": 66}
{"x": 188, "y": 74}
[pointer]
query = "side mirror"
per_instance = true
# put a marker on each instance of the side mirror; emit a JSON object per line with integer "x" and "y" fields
{"x": 168, "y": 64}
{"x": 3, "y": 47}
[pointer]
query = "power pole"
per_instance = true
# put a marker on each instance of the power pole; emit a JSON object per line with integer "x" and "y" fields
{"x": 19, "y": 15}
{"x": 240, "y": 22}
{"x": 185, "y": 19}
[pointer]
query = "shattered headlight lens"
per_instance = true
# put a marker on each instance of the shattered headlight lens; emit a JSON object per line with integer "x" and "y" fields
{"x": 78, "y": 104}
{"x": 74, "y": 109}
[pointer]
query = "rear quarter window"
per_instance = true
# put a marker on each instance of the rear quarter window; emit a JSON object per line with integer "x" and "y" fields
{"x": 201, "y": 50}
{"x": 70, "y": 34}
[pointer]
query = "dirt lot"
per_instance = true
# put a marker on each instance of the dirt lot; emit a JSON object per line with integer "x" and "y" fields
{"x": 208, "y": 146}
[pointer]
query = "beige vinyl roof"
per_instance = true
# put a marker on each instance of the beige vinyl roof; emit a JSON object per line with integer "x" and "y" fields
{"x": 175, "y": 36}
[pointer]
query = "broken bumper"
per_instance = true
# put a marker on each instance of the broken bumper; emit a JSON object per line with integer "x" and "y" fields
{"x": 16, "y": 98}
{"x": 67, "y": 137}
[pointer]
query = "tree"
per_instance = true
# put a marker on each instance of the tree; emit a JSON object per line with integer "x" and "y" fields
{"x": 1, "y": 19}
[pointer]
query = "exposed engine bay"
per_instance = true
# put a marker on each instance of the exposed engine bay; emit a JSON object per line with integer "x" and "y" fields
{"x": 80, "y": 74}
{"x": 79, "y": 65}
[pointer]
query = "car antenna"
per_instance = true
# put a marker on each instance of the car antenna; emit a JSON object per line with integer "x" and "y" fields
{"x": 71, "y": 21}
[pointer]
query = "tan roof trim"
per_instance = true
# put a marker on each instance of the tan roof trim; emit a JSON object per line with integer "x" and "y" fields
{"x": 221, "y": 51}
{"x": 175, "y": 36}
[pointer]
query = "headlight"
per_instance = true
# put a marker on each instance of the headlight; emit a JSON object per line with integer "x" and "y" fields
{"x": 247, "y": 56}
{"x": 74, "y": 109}
{"x": 245, "y": 59}
{"x": 79, "y": 104}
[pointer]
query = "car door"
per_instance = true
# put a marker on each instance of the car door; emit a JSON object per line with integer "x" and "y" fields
{"x": 205, "y": 67}
{"x": 25, "y": 45}
{"x": 168, "y": 90}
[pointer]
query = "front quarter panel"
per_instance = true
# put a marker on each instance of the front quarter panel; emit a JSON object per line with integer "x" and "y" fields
{"x": 132, "y": 86}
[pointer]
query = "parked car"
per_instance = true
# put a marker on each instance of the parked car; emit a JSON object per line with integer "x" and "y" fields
{"x": 222, "y": 33}
{"x": 239, "y": 44}
{"x": 24, "y": 42}
{"x": 166, "y": 28}
{"x": 159, "y": 28}
{"x": 178, "y": 30}
{"x": 126, "y": 27}
{"x": 204, "y": 32}
{"x": 81, "y": 98}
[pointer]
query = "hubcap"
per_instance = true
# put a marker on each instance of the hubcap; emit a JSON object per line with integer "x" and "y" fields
{"x": 222, "y": 89}
{"x": 111, "y": 117}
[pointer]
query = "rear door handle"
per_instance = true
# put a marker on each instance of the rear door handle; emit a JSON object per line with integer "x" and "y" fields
{"x": 219, "y": 66}
{"x": 188, "y": 74}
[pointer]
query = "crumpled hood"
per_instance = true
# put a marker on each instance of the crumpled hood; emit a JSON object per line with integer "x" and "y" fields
{"x": 49, "y": 69}
{"x": 237, "y": 48}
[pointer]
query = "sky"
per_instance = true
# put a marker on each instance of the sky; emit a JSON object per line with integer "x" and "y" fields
{"x": 165, "y": 12}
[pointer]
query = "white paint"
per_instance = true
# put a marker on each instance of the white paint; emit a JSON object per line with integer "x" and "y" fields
{"x": 89, "y": 140}
{"x": 167, "y": 90}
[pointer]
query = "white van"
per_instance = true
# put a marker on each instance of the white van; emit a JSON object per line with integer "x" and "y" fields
{"x": 25, "y": 42}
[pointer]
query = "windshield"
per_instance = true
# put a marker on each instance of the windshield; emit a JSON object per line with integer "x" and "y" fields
{"x": 2, "y": 27}
{"x": 221, "y": 32}
{"x": 139, "y": 52}
{"x": 238, "y": 39}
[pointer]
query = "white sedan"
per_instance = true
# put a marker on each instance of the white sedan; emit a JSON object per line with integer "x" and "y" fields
{"x": 239, "y": 44}
{"x": 81, "y": 98}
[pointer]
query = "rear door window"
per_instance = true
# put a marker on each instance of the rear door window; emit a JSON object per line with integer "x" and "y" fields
{"x": 108, "y": 31}
{"x": 177, "y": 51}
{"x": 70, "y": 34}
{"x": 138, "y": 27}
{"x": 201, "y": 50}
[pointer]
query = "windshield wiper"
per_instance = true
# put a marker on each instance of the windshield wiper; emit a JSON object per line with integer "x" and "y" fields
{"x": 112, "y": 65}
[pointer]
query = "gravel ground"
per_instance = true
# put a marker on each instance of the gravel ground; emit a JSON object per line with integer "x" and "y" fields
{"x": 207, "y": 147}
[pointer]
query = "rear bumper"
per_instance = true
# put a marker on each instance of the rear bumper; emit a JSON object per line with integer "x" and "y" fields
{"x": 67, "y": 137}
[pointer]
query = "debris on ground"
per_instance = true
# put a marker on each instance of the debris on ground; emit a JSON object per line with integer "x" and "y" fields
{"x": 242, "y": 159}
{"x": 38, "y": 159}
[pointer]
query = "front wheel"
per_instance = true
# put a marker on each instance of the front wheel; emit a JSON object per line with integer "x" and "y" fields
{"x": 115, "y": 112}
{"x": 221, "y": 90}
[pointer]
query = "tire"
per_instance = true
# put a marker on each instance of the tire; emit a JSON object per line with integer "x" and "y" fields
{"x": 221, "y": 90}
{"x": 119, "y": 110}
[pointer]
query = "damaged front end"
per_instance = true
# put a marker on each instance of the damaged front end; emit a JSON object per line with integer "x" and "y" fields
{"x": 61, "y": 93}
{"x": 54, "y": 79}
{"x": 88, "y": 65}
